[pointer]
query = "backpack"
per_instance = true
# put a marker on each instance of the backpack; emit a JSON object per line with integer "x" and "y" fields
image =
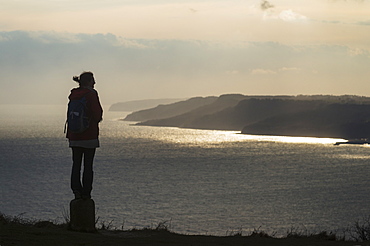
{"x": 77, "y": 118}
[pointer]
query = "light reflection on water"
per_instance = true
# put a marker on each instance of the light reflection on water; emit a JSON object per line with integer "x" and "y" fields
{"x": 191, "y": 136}
{"x": 206, "y": 137}
{"x": 203, "y": 181}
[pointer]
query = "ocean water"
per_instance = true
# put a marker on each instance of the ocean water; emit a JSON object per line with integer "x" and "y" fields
{"x": 198, "y": 181}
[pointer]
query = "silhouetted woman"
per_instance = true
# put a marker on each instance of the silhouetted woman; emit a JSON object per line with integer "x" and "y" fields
{"x": 85, "y": 143}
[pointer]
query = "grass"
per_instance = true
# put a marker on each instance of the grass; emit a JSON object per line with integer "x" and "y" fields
{"x": 20, "y": 220}
{"x": 359, "y": 231}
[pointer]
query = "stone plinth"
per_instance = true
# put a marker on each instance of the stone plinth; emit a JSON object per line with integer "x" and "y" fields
{"x": 82, "y": 215}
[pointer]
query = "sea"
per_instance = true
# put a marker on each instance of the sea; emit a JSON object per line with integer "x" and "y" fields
{"x": 203, "y": 182}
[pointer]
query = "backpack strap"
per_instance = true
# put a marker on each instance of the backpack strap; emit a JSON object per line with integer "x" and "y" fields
{"x": 65, "y": 126}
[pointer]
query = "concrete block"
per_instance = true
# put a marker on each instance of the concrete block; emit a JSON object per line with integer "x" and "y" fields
{"x": 82, "y": 215}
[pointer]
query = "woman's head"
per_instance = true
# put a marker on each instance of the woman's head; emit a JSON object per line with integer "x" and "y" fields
{"x": 85, "y": 79}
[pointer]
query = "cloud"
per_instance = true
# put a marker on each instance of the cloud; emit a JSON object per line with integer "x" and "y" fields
{"x": 32, "y": 63}
{"x": 289, "y": 69}
{"x": 265, "y": 5}
{"x": 360, "y": 1}
{"x": 287, "y": 15}
{"x": 364, "y": 23}
{"x": 260, "y": 71}
{"x": 54, "y": 37}
{"x": 353, "y": 52}
{"x": 193, "y": 10}
{"x": 232, "y": 72}
{"x": 290, "y": 15}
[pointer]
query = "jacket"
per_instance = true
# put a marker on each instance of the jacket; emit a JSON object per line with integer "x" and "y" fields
{"x": 94, "y": 111}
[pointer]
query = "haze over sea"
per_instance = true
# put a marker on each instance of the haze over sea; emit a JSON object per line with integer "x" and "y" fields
{"x": 201, "y": 181}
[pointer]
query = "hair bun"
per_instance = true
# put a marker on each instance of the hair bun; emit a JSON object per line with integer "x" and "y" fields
{"x": 75, "y": 78}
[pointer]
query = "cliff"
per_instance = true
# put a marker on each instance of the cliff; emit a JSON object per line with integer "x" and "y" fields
{"x": 170, "y": 110}
{"x": 348, "y": 121}
{"x": 136, "y": 105}
{"x": 315, "y": 116}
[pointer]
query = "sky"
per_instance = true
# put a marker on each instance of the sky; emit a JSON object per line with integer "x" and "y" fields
{"x": 147, "y": 49}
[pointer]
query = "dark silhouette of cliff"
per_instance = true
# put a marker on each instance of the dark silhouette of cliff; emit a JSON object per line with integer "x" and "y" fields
{"x": 316, "y": 116}
{"x": 187, "y": 119}
{"x": 170, "y": 110}
{"x": 349, "y": 121}
{"x": 141, "y": 104}
{"x": 193, "y": 107}
{"x": 249, "y": 111}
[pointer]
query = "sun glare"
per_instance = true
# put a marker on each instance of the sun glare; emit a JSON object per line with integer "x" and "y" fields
{"x": 191, "y": 136}
{"x": 289, "y": 139}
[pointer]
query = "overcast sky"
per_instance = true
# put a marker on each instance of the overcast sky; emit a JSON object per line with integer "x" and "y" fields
{"x": 144, "y": 49}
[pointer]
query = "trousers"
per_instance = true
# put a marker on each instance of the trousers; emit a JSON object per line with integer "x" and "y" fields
{"x": 83, "y": 188}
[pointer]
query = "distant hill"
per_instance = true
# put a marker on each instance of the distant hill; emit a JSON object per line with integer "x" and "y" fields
{"x": 348, "y": 121}
{"x": 169, "y": 110}
{"x": 130, "y": 106}
{"x": 249, "y": 111}
{"x": 317, "y": 116}
{"x": 193, "y": 110}
{"x": 214, "y": 103}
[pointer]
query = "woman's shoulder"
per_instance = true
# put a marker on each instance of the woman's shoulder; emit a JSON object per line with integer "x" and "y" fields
{"x": 92, "y": 95}
{"x": 88, "y": 91}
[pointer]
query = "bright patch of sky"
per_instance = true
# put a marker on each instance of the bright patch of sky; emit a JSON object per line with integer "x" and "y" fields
{"x": 174, "y": 48}
{"x": 275, "y": 20}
